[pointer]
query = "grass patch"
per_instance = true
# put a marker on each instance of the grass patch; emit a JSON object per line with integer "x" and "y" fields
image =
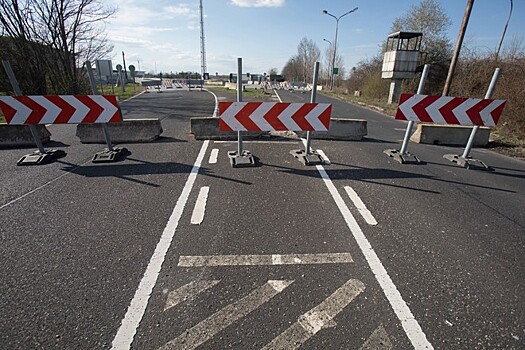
{"x": 2, "y": 119}
{"x": 380, "y": 105}
{"x": 129, "y": 90}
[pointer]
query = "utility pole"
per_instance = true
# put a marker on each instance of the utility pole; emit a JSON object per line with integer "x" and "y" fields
{"x": 459, "y": 42}
{"x": 125, "y": 71}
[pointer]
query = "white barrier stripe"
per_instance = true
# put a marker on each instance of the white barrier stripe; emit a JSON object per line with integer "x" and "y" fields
{"x": 313, "y": 117}
{"x": 108, "y": 108}
{"x": 460, "y": 112}
{"x": 214, "y": 155}
{"x": 406, "y": 107}
{"x": 318, "y": 318}
{"x": 485, "y": 114}
{"x": 22, "y": 111}
{"x": 188, "y": 292}
{"x": 137, "y": 307}
{"x": 258, "y": 115}
{"x": 80, "y": 109}
{"x": 434, "y": 112}
{"x": 205, "y": 330}
{"x": 52, "y": 110}
{"x": 286, "y": 116}
{"x": 361, "y": 207}
{"x": 200, "y": 206}
{"x": 275, "y": 259}
{"x": 228, "y": 116}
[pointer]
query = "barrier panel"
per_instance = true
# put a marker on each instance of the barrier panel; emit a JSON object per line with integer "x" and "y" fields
{"x": 274, "y": 116}
{"x": 60, "y": 109}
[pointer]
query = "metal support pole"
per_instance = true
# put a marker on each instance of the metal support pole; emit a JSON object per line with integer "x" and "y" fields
{"x": 420, "y": 89}
{"x": 239, "y": 99}
{"x": 312, "y": 100}
{"x": 95, "y": 92}
{"x": 18, "y": 92}
{"x": 488, "y": 95}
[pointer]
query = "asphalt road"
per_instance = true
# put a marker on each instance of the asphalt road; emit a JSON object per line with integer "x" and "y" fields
{"x": 127, "y": 255}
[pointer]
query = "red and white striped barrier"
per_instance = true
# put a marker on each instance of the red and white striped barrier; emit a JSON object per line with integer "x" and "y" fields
{"x": 449, "y": 110}
{"x": 64, "y": 109}
{"x": 274, "y": 116}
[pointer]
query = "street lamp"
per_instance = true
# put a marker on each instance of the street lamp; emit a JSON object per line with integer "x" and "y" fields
{"x": 335, "y": 41}
{"x": 504, "y": 31}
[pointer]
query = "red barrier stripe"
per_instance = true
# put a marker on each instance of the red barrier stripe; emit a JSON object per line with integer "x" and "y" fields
{"x": 402, "y": 99}
{"x": 37, "y": 110}
{"x": 420, "y": 108}
{"x": 66, "y": 112}
{"x": 446, "y": 110}
{"x": 8, "y": 111}
{"x": 272, "y": 116}
{"x": 474, "y": 112}
{"x": 243, "y": 116}
{"x": 324, "y": 118}
{"x": 223, "y": 106}
{"x": 94, "y": 109}
{"x": 299, "y": 116}
{"x": 496, "y": 113}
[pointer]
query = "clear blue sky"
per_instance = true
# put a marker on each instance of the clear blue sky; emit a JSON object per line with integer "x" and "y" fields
{"x": 165, "y": 34}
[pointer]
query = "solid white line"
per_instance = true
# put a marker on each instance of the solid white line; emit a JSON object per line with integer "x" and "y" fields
{"x": 216, "y": 109}
{"x": 261, "y": 142}
{"x": 320, "y": 317}
{"x": 132, "y": 97}
{"x": 275, "y": 259}
{"x": 412, "y": 328}
{"x": 205, "y": 330}
{"x": 188, "y": 292}
{"x": 276, "y": 94}
{"x": 128, "y": 328}
{"x": 214, "y": 155}
{"x": 40, "y": 187}
{"x": 367, "y": 215}
{"x": 200, "y": 206}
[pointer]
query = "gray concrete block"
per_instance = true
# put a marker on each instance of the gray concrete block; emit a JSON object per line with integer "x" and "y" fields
{"x": 207, "y": 128}
{"x": 453, "y": 135}
{"x": 341, "y": 129}
{"x": 20, "y": 135}
{"x": 130, "y": 130}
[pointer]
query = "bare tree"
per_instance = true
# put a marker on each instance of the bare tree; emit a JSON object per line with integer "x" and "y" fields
{"x": 56, "y": 37}
{"x": 327, "y": 68}
{"x": 308, "y": 53}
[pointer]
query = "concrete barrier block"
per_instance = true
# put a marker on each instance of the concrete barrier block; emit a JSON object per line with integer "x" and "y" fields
{"x": 341, "y": 129}
{"x": 130, "y": 130}
{"x": 453, "y": 135}
{"x": 207, "y": 128}
{"x": 20, "y": 135}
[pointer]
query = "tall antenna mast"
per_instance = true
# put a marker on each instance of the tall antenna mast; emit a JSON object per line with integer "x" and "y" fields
{"x": 203, "y": 49}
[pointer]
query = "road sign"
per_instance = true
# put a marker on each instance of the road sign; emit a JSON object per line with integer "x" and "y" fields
{"x": 449, "y": 110}
{"x": 335, "y": 71}
{"x": 64, "y": 109}
{"x": 274, "y": 116}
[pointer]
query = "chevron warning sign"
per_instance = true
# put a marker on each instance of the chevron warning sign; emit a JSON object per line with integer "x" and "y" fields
{"x": 274, "y": 116}
{"x": 64, "y": 109}
{"x": 449, "y": 110}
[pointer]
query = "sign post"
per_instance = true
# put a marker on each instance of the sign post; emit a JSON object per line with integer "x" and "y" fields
{"x": 41, "y": 156}
{"x": 111, "y": 153}
{"x": 402, "y": 156}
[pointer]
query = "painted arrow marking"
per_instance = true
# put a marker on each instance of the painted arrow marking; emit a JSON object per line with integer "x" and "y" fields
{"x": 188, "y": 292}
{"x": 274, "y": 116}
{"x": 205, "y": 330}
{"x": 449, "y": 110}
{"x": 275, "y": 259}
{"x": 318, "y": 318}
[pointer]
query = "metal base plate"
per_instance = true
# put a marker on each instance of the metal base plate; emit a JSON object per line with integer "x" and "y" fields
{"x": 406, "y": 158}
{"x": 467, "y": 163}
{"x": 37, "y": 158}
{"x": 244, "y": 160}
{"x": 313, "y": 158}
{"x": 107, "y": 156}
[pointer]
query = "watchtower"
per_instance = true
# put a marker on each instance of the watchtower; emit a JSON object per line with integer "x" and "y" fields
{"x": 401, "y": 60}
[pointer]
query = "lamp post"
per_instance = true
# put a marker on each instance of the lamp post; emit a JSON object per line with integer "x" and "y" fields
{"x": 335, "y": 41}
{"x": 329, "y": 66}
{"x": 504, "y": 31}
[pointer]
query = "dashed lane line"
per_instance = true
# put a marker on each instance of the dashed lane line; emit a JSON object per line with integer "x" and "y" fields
{"x": 137, "y": 307}
{"x": 200, "y": 206}
{"x": 361, "y": 207}
{"x": 318, "y": 318}
{"x": 214, "y": 155}
{"x": 205, "y": 330}
{"x": 188, "y": 292}
{"x": 274, "y": 259}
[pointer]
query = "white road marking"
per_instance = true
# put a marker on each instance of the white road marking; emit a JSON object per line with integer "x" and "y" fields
{"x": 261, "y": 142}
{"x": 216, "y": 109}
{"x": 200, "y": 206}
{"x": 318, "y": 318}
{"x": 188, "y": 291}
{"x": 276, "y": 259}
{"x": 412, "y": 328}
{"x": 363, "y": 210}
{"x": 128, "y": 328}
{"x": 379, "y": 340}
{"x": 326, "y": 160}
{"x": 205, "y": 330}
{"x": 132, "y": 97}
{"x": 214, "y": 155}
